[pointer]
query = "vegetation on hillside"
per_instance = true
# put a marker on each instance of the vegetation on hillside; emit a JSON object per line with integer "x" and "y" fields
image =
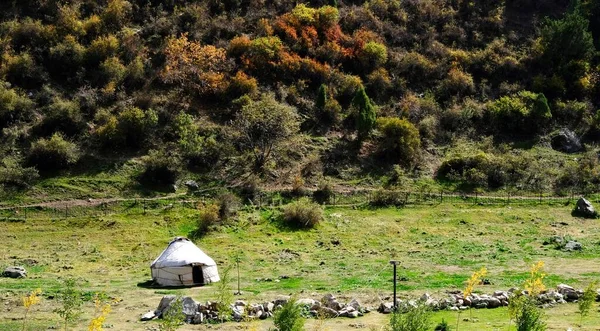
{"x": 307, "y": 88}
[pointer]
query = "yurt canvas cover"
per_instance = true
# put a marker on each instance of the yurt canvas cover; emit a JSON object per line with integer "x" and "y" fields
{"x": 183, "y": 264}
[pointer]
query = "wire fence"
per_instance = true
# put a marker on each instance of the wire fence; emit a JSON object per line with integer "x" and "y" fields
{"x": 261, "y": 200}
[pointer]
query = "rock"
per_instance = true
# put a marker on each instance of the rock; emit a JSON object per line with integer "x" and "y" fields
{"x": 352, "y": 314}
{"x": 173, "y": 188}
{"x": 354, "y": 304}
{"x": 281, "y": 300}
{"x": 566, "y": 141}
{"x": 584, "y": 208}
{"x": 328, "y": 312}
{"x": 454, "y": 308}
{"x": 191, "y": 184}
{"x": 164, "y": 303}
{"x": 425, "y": 297}
{"x": 573, "y": 246}
{"x": 493, "y": 302}
{"x": 190, "y": 307}
{"x": 198, "y": 318}
{"x": 238, "y": 312}
{"x": 328, "y": 297}
{"x": 306, "y": 302}
{"x": 148, "y": 316}
{"x": 15, "y": 272}
{"x": 335, "y": 305}
{"x": 240, "y": 303}
{"x": 386, "y": 308}
{"x": 269, "y": 306}
{"x": 562, "y": 288}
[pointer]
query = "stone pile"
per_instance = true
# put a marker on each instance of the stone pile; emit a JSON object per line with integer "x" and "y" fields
{"x": 456, "y": 301}
{"x": 197, "y": 313}
{"x": 14, "y": 272}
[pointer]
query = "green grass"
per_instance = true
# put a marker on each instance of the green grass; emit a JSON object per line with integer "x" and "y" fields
{"x": 438, "y": 246}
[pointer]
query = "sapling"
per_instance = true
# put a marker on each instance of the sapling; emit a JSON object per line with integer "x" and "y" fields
{"x": 69, "y": 297}
{"x": 586, "y": 301}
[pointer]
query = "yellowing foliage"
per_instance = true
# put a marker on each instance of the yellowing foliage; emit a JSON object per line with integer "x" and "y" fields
{"x": 475, "y": 279}
{"x": 187, "y": 62}
{"x": 535, "y": 283}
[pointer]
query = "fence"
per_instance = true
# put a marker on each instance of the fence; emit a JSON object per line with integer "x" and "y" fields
{"x": 350, "y": 198}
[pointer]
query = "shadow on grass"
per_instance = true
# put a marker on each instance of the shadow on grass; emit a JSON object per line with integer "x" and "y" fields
{"x": 150, "y": 284}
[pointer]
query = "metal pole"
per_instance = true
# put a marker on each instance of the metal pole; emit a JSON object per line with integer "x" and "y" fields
{"x": 395, "y": 263}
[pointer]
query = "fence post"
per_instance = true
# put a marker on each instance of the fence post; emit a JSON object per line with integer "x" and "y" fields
{"x": 144, "y": 206}
{"x": 508, "y": 198}
{"x": 441, "y": 195}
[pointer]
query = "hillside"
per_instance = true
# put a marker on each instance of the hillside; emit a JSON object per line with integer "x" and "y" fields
{"x": 111, "y": 98}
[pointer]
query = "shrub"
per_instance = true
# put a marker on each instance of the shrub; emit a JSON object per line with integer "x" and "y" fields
{"x": 442, "y": 326}
{"x": 412, "y": 319}
{"x": 135, "y": 125}
{"x": 373, "y": 55}
{"x": 289, "y": 317}
{"x": 12, "y": 173}
{"x": 102, "y": 48}
{"x": 229, "y": 204}
{"x": 387, "y": 198}
{"x": 160, "y": 168}
{"x": 587, "y": 300}
{"x": 303, "y": 214}
{"x": 324, "y": 193}
{"x": 207, "y": 218}
{"x": 14, "y": 106}
{"x": 64, "y": 116}
{"x": 400, "y": 140}
{"x": 113, "y": 70}
{"x": 52, "y": 154}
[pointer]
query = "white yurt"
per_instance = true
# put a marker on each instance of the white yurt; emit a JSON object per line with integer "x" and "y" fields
{"x": 183, "y": 264}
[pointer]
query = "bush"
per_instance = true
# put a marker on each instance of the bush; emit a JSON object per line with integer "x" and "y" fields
{"x": 387, "y": 198}
{"x": 324, "y": 193}
{"x": 52, "y": 154}
{"x": 12, "y": 173}
{"x": 229, "y": 204}
{"x": 303, "y": 214}
{"x": 400, "y": 140}
{"x": 442, "y": 326}
{"x": 160, "y": 168}
{"x": 412, "y": 319}
{"x": 289, "y": 317}
{"x": 208, "y": 217}
{"x": 14, "y": 106}
{"x": 64, "y": 116}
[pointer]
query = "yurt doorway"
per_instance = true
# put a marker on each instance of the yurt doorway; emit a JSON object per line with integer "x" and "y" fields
{"x": 197, "y": 274}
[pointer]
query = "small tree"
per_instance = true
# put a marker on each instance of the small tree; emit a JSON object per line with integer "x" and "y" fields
{"x": 30, "y": 300}
{"x": 399, "y": 139}
{"x": 52, "y": 154}
{"x": 69, "y": 298}
{"x": 365, "y": 117}
{"x": 264, "y": 124}
{"x": 289, "y": 317}
{"x": 321, "y": 98}
{"x": 586, "y": 301}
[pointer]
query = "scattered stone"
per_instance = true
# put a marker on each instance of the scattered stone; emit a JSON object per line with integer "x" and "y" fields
{"x": 306, "y": 302}
{"x": 573, "y": 246}
{"x": 386, "y": 308}
{"x": 190, "y": 307}
{"x": 148, "y": 316}
{"x": 15, "y": 272}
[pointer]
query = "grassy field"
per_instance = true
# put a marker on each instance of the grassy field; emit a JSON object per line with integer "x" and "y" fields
{"x": 348, "y": 254}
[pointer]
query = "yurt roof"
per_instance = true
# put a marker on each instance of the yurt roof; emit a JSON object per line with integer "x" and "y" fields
{"x": 181, "y": 252}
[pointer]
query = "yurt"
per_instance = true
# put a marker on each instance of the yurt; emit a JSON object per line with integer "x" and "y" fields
{"x": 183, "y": 264}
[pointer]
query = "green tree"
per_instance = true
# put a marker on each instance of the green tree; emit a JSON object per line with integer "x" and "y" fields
{"x": 365, "y": 117}
{"x": 262, "y": 125}
{"x": 567, "y": 40}
{"x": 69, "y": 298}
{"x": 321, "y": 98}
{"x": 540, "y": 112}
